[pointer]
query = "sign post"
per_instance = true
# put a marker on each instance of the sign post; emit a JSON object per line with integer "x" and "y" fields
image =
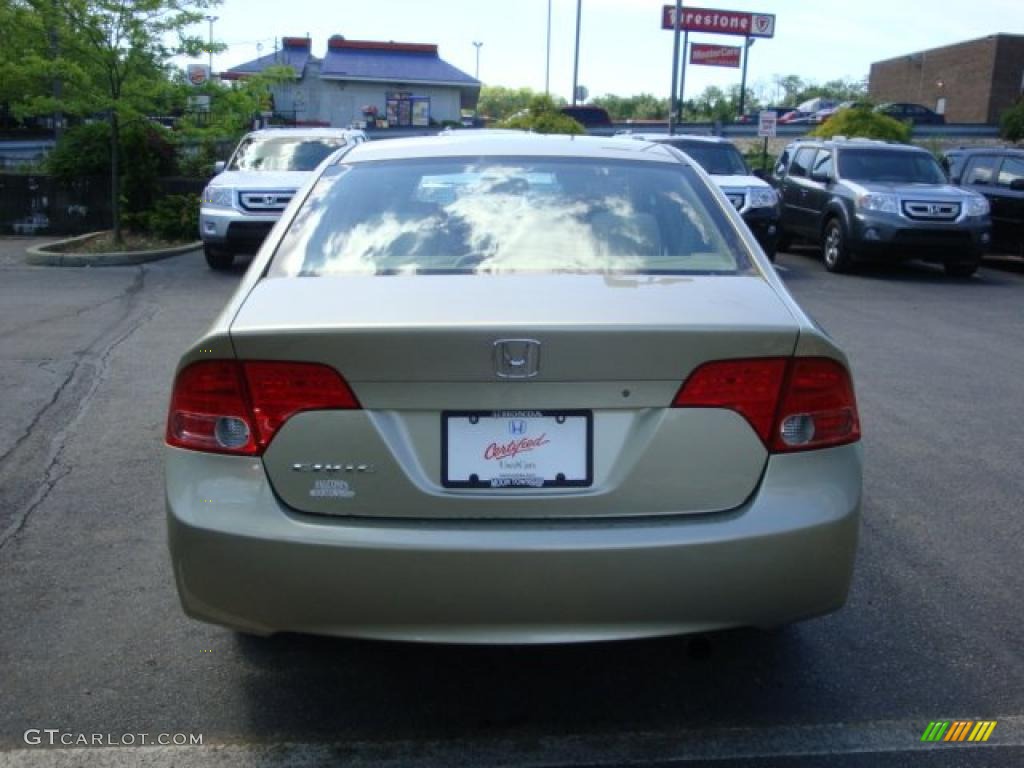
{"x": 748, "y": 25}
{"x": 672, "y": 104}
{"x": 767, "y": 122}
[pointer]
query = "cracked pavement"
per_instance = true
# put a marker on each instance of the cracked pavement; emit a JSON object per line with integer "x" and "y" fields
{"x": 92, "y": 638}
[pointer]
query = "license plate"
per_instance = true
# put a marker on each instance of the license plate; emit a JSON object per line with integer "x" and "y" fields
{"x": 516, "y": 449}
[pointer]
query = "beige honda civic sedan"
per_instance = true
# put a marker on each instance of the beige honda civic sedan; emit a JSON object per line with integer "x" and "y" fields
{"x": 511, "y": 389}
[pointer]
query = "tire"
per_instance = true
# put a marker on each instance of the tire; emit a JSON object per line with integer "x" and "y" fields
{"x": 783, "y": 242}
{"x": 961, "y": 268}
{"x": 769, "y": 251}
{"x": 834, "y": 249}
{"x": 218, "y": 260}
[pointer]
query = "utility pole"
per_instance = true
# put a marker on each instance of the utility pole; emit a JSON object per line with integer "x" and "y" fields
{"x": 675, "y": 67}
{"x": 743, "y": 80}
{"x": 547, "y": 59}
{"x": 209, "y": 49}
{"x": 576, "y": 60}
{"x": 682, "y": 76}
{"x": 477, "y": 46}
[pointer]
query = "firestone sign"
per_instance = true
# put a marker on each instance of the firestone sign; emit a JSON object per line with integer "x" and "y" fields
{"x": 720, "y": 22}
{"x": 715, "y": 55}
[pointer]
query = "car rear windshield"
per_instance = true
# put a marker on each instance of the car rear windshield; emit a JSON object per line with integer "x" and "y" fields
{"x": 901, "y": 167}
{"x": 498, "y": 215}
{"x": 283, "y": 154}
{"x": 716, "y": 159}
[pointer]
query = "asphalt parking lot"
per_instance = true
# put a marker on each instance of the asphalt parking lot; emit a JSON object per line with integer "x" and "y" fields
{"x": 92, "y": 639}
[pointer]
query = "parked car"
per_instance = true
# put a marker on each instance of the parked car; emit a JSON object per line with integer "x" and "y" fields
{"x": 755, "y": 199}
{"x": 826, "y": 112}
{"x": 862, "y": 198}
{"x": 753, "y": 115}
{"x": 998, "y": 174}
{"x": 915, "y": 113}
{"x": 588, "y": 116}
{"x": 247, "y": 196}
{"x": 511, "y": 389}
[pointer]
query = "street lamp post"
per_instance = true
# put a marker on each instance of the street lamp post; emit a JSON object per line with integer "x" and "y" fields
{"x": 477, "y": 46}
{"x": 209, "y": 49}
{"x": 547, "y": 59}
{"x": 576, "y": 58}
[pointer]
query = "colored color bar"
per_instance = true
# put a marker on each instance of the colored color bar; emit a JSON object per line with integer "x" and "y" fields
{"x": 988, "y": 731}
{"x": 935, "y": 730}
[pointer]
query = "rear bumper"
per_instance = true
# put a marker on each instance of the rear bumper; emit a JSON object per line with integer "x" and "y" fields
{"x": 243, "y": 560}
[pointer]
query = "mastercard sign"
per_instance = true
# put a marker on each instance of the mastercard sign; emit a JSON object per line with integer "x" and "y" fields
{"x": 198, "y": 74}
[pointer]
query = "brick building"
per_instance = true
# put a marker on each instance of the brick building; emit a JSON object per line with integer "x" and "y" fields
{"x": 969, "y": 82}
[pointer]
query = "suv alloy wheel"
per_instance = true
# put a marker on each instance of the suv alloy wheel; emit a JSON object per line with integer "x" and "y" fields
{"x": 836, "y": 252}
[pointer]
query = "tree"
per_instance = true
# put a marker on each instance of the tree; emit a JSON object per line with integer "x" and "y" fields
{"x": 863, "y": 122}
{"x": 500, "y": 103}
{"x": 1011, "y": 123}
{"x": 109, "y": 56}
{"x": 643, "y": 106}
{"x": 542, "y": 116}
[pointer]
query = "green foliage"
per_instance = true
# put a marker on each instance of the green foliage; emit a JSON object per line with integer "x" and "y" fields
{"x": 111, "y": 58}
{"x": 175, "y": 217}
{"x": 85, "y": 151}
{"x": 1011, "y": 123}
{"x": 863, "y": 122}
{"x": 643, "y": 106}
{"x": 500, "y": 103}
{"x": 756, "y": 159}
{"x": 542, "y": 116}
{"x": 793, "y": 89}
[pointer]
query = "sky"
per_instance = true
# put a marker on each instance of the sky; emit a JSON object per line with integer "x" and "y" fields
{"x": 623, "y": 49}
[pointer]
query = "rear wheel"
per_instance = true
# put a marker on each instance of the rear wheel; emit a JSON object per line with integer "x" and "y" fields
{"x": 836, "y": 252}
{"x": 217, "y": 259}
{"x": 961, "y": 268}
{"x": 782, "y": 243}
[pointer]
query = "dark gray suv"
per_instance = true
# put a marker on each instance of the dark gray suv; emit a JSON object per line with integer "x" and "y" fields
{"x": 860, "y": 198}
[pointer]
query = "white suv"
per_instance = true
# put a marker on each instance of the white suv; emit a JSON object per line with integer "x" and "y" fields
{"x": 245, "y": 199}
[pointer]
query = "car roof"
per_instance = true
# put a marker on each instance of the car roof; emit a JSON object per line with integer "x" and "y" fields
{"x": 970, "y": 151}
{"x": 269, "y": 133}
{"x": 690, "y": 137}
{"x": 857, "y": 143}
{"x": 503, "y": 145}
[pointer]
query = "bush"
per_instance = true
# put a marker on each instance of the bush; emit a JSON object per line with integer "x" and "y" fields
{"x": 146, "y": 154}
{"x": 542, "y": 116}
{"x": 1011, "y": 124}
{"x": 175, "y": 217}
{"x": 863, "y": 122}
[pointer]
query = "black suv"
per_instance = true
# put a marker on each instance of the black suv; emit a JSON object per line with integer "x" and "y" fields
{"x": 861, "y": 198}
{"x": 998, "y": 174}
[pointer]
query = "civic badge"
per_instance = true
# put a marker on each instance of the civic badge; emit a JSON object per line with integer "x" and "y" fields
{"x": 516, "y": 358}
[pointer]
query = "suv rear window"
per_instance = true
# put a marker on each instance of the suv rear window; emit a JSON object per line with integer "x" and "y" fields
{"x": 496, "y": 215}
{"x": 287, "y": 153}
{"x": 888, "y": 165}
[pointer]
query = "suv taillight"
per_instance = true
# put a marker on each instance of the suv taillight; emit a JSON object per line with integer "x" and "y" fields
{"x": 231, "y": 406}
{"x": 793, "y": 404}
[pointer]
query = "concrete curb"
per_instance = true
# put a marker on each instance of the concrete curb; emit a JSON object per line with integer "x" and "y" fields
{"x": 40, "y": 256}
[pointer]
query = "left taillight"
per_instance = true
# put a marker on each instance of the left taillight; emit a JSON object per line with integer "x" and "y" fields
{"x": 231, "y": 406}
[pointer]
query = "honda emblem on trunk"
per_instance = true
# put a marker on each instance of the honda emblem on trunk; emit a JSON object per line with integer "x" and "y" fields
{"x": 516, "y": 358}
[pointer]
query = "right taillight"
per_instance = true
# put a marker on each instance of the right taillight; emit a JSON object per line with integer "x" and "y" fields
{"x": 817, "y": 407}
{"x": 793, "y": 404}
{"x": 232, "y": 406}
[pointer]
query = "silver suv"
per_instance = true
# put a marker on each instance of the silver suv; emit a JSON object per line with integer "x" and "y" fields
{"x": 247, "y": 196}
{"x": 755, "y": 200}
